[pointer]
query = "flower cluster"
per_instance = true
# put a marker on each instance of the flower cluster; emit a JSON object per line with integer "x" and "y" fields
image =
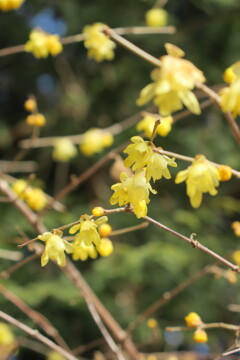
{"x": 230, "y": 96}
{"x": 41, "y": 44}
{"x": 64, "y": 150}
{"x": 35, "y": 198}
{"x": 94, "y": 141}
{"x": 201, "y": 177}
{"x": 148, "y": 122}
{"x": 156, "y": 17}
{"x": 99, "y": 46}
{"x": 148, "y": 165}
{"x": 173, "y": 84}
{"x": 6, "y": 5}
{"x": 193, "y": 320}
{"x": 35, "y": 118}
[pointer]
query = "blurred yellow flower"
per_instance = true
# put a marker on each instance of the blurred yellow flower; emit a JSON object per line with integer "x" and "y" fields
{"x": 104, "y": 230}
{"x": 36, "y": 119}
{"x": 105, "y": 247}
{"x": 6, "y": 335}
{"x": 99, "y": 46}
{"x": 148, "y": 122}
{"x": 87, "y": 228}
{"x": 230, "y": 98}
{"x": 141, "y": 155}
{"x": 172, "y": 84}
{"x": 98, "y": 211}
{"x": 83, "y": 252}
{"x": 94, "y": 141}
{"x": 193, "y": 320}
{"x": 19, "y": 186}
{"x": 134, "y": 190}
{"x": 225, "y": 172}
{"x": 231, "y": 73}
{"x": 64, "y": 150}
{"x": 41, "y": 44}
{"x": 236, "y": 227}
{"x": 35, "y": 198}
{"x": 53, "y": 355}
{"x": 30, "y": 104}
{"x": 54, "y": 248}
{"x": 201, "y": 177}
{"x": 156, "y": 17}
{"x": 152, "y": 323}
{"x": 6, "y": 5}
{"x": 200, "y": 336}
{"x": 236, "y": 257}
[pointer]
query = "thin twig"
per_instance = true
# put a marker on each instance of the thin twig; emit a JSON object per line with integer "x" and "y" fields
{"x": 129, "y": 229}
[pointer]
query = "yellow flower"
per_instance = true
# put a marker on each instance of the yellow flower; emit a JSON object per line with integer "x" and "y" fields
{"x": 152, "y": 323}
{"x": 230, "y": 98}
{"x": 19, "y": 186}
{"x": 104, "y": 230}
{"x": 148, "y": 122}
{"x": 35, "y": 198}
{"x": 156, "y": 17}
{"x": 36, "y": 120}
{"x": 236, "y": 227}
{"x": 105, "y": 247}
{"x": 64, "y": 150}
{"x": 142, "y": 155}
{"x": 225, "y": 172}
{"x": 6, "y": 335}
{"x": 30, "y": 104}
{"x": 99, "y": 46}
{"x": 172, "y": 84}
{"x": 94, "y": 141}
{"x": 82, "y": 252}
{"x": 231, "y": 73}
{"x": 6, "y": 5}
{"x": 98, "y": 211}
{"x": 236, "y": 257}
{"x": 201, "y": 177}
{"x": 41, "y": 44}
{"x": 193, "y": 320}
{"x": 87, "y": 228}
{"x": 54, "y": 248}
{"x": 200, "y": 336}
{"x": 53, "y": 355}
{"x": 134, "y": 190}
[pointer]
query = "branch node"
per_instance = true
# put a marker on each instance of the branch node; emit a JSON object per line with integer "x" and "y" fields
{"x": 194, "y": 243}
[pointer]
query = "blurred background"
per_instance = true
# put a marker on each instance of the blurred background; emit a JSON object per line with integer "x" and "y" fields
{"x": 75, "y": 94}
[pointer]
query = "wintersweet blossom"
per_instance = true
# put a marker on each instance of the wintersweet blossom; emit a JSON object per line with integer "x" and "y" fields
{"x": 105, "y": 247}
{"x": 36, "y": 119}
{"x": 54, "y": 355}
{"x": 99, "y": 46}
{"x": 6, "y": 335}
{"x": 64, "y": 150}
{"x": 35, "y": 198}
{"x": 201, "y": 177}
{"x": 141, "y": 155}
{"x": 94, "y": 141}
{"x": 156, "y": 17}
{"x": 236, "y": 227}
{"x": 54, "y": 248}
{"x": 19, "y": 186}
{"x": 6, "y": 5}
{"x": 230, "y": 96}
{"x": 200, "y": 336}
{"x": 193, "y": 320}
{"x": 104, "y": 230}
{"x": 83, "y": 252}
{"x": 87, "y": 230}
{"x": 173, "y": 83}
{"x": 41, "y": 44}
{"x": 133, "y": 190}
{"x": 30, "y": 104}
{"x": 148, "y": 122}
{"x": 225, "y": 172}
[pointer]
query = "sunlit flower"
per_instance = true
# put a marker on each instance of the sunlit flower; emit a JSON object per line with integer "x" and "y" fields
{"x": 83, "y": 252}
{"x": 41, "y": 44}
{"x": 105, "y": 247}
{"x": 152, "y": 323}
{"x": 30, "y": 104}
{"x": 104, "y": 230}
{"x": 19, "y": 186}
{"x": 236, "y": 227}
{"x": 225, "y": 172}
{"x": 173, "y": 83}
{"x": 6, "y": 5}
{"x": 231, "y": 73}
{"x": 156, "y": 17}
{"x": 99, "y": 46}
{"x": 64, "y": 150}
{"x": 201, "y": 177}
{"x": 54, "y": 248}
{"x": 94, "y": 141}
{"x": 36, "y": 120}
{"x": 236, "y": 257}
{"x": 35, "y": 198}
{"x": 6, "y": 335}
{"x": 193, "y": 320}
{"x": 98, "y": 211}
{"x": 53, "y": 355}
{"x": 148, "y": 122}
{"x": 200, "y": 336}
{"x": 87, "y": 228}
{"x": 141, "y": 155}
{"x": 134, "y": 190}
